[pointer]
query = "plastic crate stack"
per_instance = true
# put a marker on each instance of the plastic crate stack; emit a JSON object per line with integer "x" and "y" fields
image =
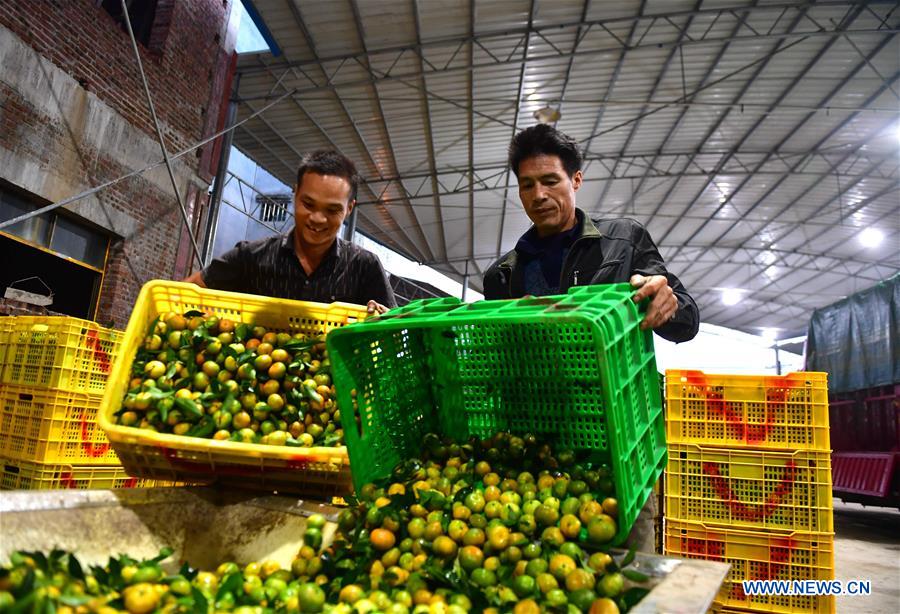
{"x": 748, "y": 482}
{"x": 53, "y": 370}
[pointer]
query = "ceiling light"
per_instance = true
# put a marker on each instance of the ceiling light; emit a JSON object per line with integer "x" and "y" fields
{"x": 768, "y": 257}
{"x": 771, "y": 271}
{"x": 731, "y": 297}
{"x": 547, "y": 115}
{"x": 871, "y": 237}
{"x": 769, "y": 334}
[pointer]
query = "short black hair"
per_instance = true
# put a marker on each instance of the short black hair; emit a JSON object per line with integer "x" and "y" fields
{"x": 544, "y": 139}
{"x": 329, "y": 162}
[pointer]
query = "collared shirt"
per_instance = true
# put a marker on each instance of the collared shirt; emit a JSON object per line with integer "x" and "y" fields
{"x": 543, "y": 257}
{"x": 270, "y": 267}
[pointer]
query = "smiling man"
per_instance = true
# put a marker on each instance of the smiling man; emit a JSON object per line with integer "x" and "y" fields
{"x": 310, "y": 263}
{"x": 566, "y": 248}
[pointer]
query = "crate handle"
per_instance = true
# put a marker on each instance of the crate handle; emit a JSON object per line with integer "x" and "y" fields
{"x": 26, "y": 396}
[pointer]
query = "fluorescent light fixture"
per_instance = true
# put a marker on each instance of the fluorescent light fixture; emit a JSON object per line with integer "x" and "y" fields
{"x": 771, "y": 271}
{"x": 731, "y": 296}
{"x": 871, "y": 237}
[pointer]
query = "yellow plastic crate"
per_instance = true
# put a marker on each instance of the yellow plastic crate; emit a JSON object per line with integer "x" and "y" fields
{"x": 59, "y": 352}
{"x": 751, "y": 489}
{"x": 753, "y": 555}
{"x": 5, "y": 327}
{"x": 52, "y": 426}
{"x": 26, "y": 475}
{"x": 321, "y": 472}
{"x": 764, "y": 411}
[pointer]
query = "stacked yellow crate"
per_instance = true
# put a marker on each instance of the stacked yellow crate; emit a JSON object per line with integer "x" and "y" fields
{"x": 52, "y": 376}
{"x": 748, "y": 482}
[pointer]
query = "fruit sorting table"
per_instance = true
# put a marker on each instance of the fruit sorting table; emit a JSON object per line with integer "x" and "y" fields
{"x": 207, "y": 526}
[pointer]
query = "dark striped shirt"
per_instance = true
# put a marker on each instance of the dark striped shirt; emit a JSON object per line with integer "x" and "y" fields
{"x": 270, "y": 267}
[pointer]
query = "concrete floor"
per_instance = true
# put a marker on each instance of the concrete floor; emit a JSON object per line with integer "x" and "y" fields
{"x": 867, "y": 547}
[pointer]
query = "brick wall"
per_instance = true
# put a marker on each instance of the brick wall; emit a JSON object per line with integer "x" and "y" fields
{"x": 84, "y": 40}
{"x": 184, "y": 67}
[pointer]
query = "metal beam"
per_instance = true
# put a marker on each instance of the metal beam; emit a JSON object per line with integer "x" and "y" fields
{"x": 891, "y": 214}
{"x": 429, "y": 139}
{"x": 522, "y": 69}
{"x": 485, "y": 188}
{"x": 760, "y": 67}
{"x": 485, "y": 37}
{"x": 585, "y": 8}
{"x": 354, "y": 7}
{"x": 684, "y": 111}
{"x": 794, "y": 130}
{"x": 612, "y": 81}
{"x": 377, "y": 76}
{"x": 634, "y": 127}
{"x": 470, "y": 116}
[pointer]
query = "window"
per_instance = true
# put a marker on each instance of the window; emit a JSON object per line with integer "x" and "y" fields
{"x": 67, "y": 255}
{"x": 78, "y": 242}
{"x": 273, "y": 207}
{"x": 53, "y": 230}
{"x": 145, "y": 16}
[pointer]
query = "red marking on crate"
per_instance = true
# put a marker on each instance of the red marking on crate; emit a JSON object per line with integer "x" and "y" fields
{"x": 89, "y": 448}
{"x": 66, "y": 480}
{"x": 751, "y": 433}
{"x": 130, "y": 483}
{"x": 100, "y": 355}
{"x": 740, "y": 509}
{"x": 779, "y": 557}
{"x": 695, "y": 378}
{"x": 710, "y": 549}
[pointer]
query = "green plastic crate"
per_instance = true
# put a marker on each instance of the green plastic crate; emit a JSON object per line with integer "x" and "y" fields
{"x": 575, "y": 369}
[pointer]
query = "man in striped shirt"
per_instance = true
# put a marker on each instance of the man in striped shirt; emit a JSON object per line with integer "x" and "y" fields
{"x": 310, "y": 263}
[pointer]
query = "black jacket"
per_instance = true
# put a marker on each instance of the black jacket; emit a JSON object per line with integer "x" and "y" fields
{"x": 606, "y": 252}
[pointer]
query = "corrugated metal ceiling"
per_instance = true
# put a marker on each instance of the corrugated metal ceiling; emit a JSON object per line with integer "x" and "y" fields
{"x": 755, "y": 139}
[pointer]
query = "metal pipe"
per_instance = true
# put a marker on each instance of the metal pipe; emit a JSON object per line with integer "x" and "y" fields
{"x": 465, "y": 283}
{"x": 215, "y": 201}
{"x": 140, "y": 171}
{"x": 159, "y": 135}
{"x": 350, "y": 228}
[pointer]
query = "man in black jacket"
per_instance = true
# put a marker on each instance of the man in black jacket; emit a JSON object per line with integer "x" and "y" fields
{"x": 566, "y": 248}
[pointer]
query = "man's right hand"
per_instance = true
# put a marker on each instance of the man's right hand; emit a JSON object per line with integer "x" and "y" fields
{"x": 195, "y": 278}
{"x": 374, "y": 307}
{"x": 663, "y": 303}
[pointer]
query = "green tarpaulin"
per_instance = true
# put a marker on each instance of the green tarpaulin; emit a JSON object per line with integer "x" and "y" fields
{"x": 857, "y": 340}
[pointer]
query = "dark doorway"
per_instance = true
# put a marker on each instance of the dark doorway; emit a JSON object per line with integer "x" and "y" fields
{"x": 75, "y": 287}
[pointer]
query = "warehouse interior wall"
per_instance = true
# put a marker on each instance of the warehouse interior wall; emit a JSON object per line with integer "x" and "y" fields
{"x": 717, "y": 349}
